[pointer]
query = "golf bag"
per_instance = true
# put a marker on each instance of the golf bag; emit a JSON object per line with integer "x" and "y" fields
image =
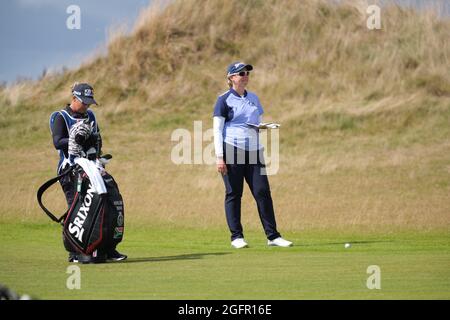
{"x": 94, "y": 223}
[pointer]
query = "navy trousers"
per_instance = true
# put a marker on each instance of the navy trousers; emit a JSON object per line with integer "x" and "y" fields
{"x": 247, "y": 165}
{"x": 68, "y": 186}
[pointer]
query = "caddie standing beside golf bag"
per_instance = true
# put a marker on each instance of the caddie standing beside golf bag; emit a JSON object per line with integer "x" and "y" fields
{"x": 94, "y": 222}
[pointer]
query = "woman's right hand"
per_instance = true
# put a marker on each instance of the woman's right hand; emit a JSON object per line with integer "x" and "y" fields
{"x": 221, "y": 166}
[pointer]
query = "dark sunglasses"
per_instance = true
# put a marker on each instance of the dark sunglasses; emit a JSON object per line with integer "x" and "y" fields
{"x": 244, "y": 73}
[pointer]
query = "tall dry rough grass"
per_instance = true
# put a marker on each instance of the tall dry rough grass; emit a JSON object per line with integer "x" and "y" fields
{"x": 364, "y": 113}
{"x": 308, "y": 49}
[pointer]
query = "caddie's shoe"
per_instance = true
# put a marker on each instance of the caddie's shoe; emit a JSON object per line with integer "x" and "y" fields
{"x": 73, "y": 257}
{"x": 239, "y": 243}
{"x": 115, "y": 255}
{"x": 279, "y": 242}
{"x": 95, "y": 257}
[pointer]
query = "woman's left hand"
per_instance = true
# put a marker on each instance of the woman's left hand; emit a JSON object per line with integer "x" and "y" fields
{"x": 221, "y": 166}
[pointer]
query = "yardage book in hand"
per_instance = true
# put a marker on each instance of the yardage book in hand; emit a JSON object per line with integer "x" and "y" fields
{"x": 264, "y": 125}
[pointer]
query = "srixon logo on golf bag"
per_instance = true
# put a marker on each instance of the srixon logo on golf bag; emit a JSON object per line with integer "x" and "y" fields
{"x": 76, "y": 228}
{"x": 94, "y": 221}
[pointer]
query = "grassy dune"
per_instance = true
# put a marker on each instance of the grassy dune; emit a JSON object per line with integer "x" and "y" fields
{"x": 365, "y": 115}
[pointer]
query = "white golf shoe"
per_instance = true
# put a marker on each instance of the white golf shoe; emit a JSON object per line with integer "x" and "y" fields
{"x": 239, "y": 243}
{"x": 279, "y": 242}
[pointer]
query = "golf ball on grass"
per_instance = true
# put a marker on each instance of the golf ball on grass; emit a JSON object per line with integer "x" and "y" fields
{"x": 347, "y": 245}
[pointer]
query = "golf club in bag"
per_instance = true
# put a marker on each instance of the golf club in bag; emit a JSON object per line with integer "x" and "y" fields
{"x": 94, "y": 224}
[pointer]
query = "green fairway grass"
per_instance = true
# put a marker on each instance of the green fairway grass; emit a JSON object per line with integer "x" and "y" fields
{"x": 179, "y": 263}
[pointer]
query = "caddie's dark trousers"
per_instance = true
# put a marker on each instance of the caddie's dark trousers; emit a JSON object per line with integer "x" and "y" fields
{"x": 68, "y": 185}
{"x": 247, "y": 165}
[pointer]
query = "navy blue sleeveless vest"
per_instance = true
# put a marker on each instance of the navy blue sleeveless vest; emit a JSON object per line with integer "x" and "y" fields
{"x": 70, "y": 121}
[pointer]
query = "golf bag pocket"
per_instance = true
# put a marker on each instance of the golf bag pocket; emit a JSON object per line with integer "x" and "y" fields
{"x": 114, "y": 209}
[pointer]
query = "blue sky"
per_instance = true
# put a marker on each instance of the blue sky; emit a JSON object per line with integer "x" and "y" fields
{"x": 34, "y": 35}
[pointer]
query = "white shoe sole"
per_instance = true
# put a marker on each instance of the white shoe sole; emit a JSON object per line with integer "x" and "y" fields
{"x": 117, "y": 259}
{"x": 246, "y": 246}
{"x": 276, "y": 245}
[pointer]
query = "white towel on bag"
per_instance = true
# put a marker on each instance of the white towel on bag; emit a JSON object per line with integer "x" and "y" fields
{"x": 92, "y": 171}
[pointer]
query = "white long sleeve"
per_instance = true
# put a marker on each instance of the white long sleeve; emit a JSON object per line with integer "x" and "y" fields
{"x": 218, "y": 123}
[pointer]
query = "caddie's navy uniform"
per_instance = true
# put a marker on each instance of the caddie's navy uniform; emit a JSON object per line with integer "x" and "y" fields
{"x": 243, "y": 156}
{"x": 60, "y": 124}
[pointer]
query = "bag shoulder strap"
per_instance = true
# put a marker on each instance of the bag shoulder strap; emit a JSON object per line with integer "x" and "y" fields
{"x": 47, "y": 185}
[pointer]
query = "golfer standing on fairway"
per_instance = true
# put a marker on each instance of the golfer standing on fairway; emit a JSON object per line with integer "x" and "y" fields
{"x": 239, "y": 155}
